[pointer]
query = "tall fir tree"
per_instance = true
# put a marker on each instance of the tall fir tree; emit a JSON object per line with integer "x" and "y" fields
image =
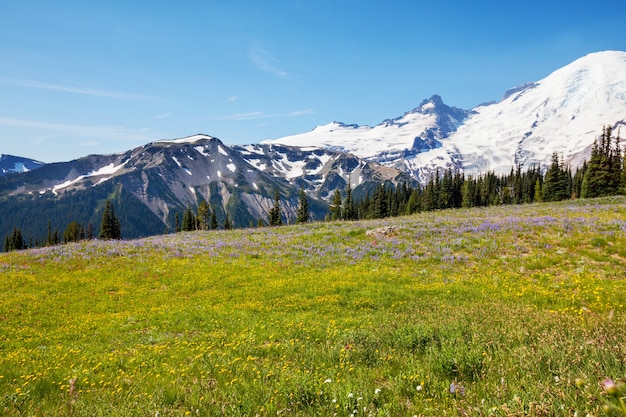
{"x": 204, "y": 215}
{"x": 189, "y": 220}
{"x": 15, "y": 241}
{"x": 213, "y": 221}
{"x": 275, "y": 216}
{"x": 303, "y": 215}
{"x": 177, "y": 227}
{"x": 413, "y": 203}
{"x": 335, "y": 206}
{"x": 604, "y": 172}
{"x": 110, "y": 228}
{"x": 74, "y": 232}
{"x": 228, "y": 225}
{"x": 468, "y": 193}
{"x": 349, "y": 211}
{"x": 556, "y": 184}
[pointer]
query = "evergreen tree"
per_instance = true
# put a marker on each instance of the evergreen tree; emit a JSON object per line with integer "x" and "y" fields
{"x": 89, "y": 233}
{"x": 110, "y": 228}
{"x": 379, "y": 208}
{"x": 604, "y": 172}
{"x": 227, "y": 223}
{"x": 275, "y": 216}
{"x": 303, "y": 208}
{"x": 74, "y": 232}
{"x": 213, "y": 221}
{"x": 177, "y": 227}
{"x": 556, "y": 183}
{"x": 446, "y": 194}
{"x": 335, "y": 206}
{"x": 413, "y": 203}
{"x": 469, "y": 193}
{"x": 349, "y": 211}
{"x": 204, "y": 215}
{"x": 189, "y": 220}
{"x": 430, "y": 197}
{"x": 56, "y": 237}
{"x": 538, "y": 192}
{"x": 15, "y": 241}
{"x": 49, "y": 237}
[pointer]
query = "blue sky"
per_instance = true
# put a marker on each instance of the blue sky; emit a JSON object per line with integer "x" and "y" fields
{"x": 79, "y": 77}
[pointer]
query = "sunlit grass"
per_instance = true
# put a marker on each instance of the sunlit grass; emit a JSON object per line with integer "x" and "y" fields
{"x": 499, "y": 311}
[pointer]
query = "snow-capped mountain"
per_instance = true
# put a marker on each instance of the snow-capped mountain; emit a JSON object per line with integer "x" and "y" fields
{"x": 563, "y": 112}
{"x": 417, "y": 131}
{"x": 10, "y": 164}
{"x": 162, "y": 178}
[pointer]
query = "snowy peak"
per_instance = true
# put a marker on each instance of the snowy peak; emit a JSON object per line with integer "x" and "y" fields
{"x": 563, "y": 112}
{"x": 189, "y": 139}
{"x": 415, "y": 131}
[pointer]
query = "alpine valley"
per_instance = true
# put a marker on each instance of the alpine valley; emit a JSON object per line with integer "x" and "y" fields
{"x": 564, "y": 113}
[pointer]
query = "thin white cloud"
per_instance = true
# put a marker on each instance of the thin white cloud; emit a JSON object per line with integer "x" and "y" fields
{"x": 232, "y": 99}
{"x": 266, "y": 62}
{"x": 90, "y": 144}
{"x": 262, "y": 115}
{"x": 78, "y": 90}
{"x": 163, "y": 116}
{"x": 248, "y": 116}
{"x": 98, "y": 132}
{"x": 302, "y": 112}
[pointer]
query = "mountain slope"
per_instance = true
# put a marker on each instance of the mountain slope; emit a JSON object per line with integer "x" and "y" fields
{"x": 418, "y": 130}
{"x": 563, "y": 112}
{"x": 161, "y": 179}
{"x": 10, "y": 164}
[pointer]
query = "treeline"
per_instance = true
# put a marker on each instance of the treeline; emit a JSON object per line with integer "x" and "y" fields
{"x": 74, "y": 232}
{"x": 205, "y": 218}
{"x": 604, "y": 174}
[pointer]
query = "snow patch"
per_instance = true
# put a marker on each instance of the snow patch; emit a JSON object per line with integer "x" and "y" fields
{"x": 106, "y": 170}
{"x": 20, "y": 167}
{"x": 202, "y": 150}
{"x": 102, "y": 180}
{"x": 188, "y": 139}
{"x": 221, "y": 150}
{"x": 257, "y": 164}
{"x": 232, "y": 167}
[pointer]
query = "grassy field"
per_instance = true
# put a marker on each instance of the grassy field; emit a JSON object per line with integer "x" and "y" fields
{"x": 504, "y": 311}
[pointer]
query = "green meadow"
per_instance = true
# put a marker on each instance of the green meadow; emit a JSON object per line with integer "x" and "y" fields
{"x": 499, "y": 311}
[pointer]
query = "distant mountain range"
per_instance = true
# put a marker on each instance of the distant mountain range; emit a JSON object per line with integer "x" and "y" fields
{"x": 563, "y": 112}
{"x": 152, "y": 183}
{"x": 10, "y": 164}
